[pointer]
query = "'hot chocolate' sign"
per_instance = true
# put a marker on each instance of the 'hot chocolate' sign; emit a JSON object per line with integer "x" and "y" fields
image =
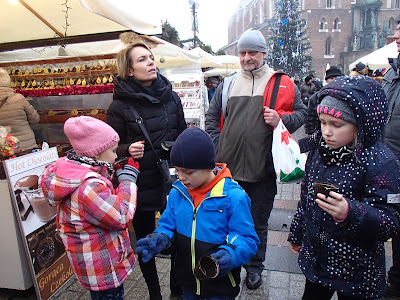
{"x": 49, "y": 263}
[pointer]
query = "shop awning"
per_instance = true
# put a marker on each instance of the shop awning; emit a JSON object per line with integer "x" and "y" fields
{"x": 29, "y": 20}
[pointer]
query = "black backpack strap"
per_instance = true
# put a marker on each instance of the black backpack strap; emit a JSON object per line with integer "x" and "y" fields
{"x": 275, "y": 90}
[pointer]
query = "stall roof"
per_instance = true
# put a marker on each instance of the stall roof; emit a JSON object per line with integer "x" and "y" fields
{"x": 166, "y": 55}
{"x": 379, "y": 58}
{"x": 33, "y": 20}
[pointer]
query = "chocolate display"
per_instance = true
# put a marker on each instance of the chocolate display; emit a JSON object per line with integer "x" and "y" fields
{"x": 28, "y": 182}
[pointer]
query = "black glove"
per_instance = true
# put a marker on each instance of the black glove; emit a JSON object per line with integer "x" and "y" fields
{"x": 130, "y": 172}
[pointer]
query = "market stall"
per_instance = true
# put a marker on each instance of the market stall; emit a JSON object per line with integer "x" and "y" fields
{"x": 379, "y": 58}
{"x": 60, "y": 81}
{"x": 68, "y": 80}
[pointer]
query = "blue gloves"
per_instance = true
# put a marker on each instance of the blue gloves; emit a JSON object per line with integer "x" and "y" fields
{"x": 130, "y": 172}
{"x": 151, "y": 245}
{"x": 224, "y": 259}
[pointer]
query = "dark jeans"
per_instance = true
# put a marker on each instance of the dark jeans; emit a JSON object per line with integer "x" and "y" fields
{"x": 394, "y": 271}
{"x": 113, "y": 294}
{"x": 189, "y": 296}
{"x": 262, "y": 196}
{"x": 314, "y": 291}
{"x": 144, "y": 223}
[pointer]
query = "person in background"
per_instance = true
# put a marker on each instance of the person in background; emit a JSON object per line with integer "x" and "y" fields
{"x": 213, "y": 87}
{"x": 204, "y": 96}
{"x": 361, "y": 69}
{"x": 17, "y": 113}
{"x": 297, "y": 81}
{"x": 312, "y": 121}
{"x": 245, "y": 141}
{"x": 139, "y": 85}
{"x": 391, "y": 137}
{"x": 340, "y": 234}
{"x": 318, "y": 84}
{"x": 307, "y": 89}
{"x": 208, "y": 214}
{"x": 92, "y": 217}
{"x": 377, "y": 75}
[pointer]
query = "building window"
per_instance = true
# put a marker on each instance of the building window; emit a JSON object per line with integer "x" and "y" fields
{"x": 336, "y": 25}
{"x": 392, "y": 25}
{"x": 328, "y": 47}
{"x": 322, "y": 25}
{"x": 329, "y": 4}
{"x": 397, "y": 4}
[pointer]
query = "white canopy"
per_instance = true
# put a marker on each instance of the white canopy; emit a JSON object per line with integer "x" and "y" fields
{"x": 379, "y": 58}
{"x": 207, "y": 60}
{"x": 219, "y": 72}
{"x": 27, "y": 20}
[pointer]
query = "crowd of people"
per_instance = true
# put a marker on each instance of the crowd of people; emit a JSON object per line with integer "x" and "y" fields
{"x": 219, "y": 208}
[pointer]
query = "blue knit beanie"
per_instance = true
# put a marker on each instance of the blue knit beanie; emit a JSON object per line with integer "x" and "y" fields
{"x": 193, "y": 149}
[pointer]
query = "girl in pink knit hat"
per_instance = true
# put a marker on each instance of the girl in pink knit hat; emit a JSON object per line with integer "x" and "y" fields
{"x": 92, "y": 217}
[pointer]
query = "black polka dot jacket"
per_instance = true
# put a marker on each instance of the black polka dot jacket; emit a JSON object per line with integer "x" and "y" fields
{"x": 348, "y": 255}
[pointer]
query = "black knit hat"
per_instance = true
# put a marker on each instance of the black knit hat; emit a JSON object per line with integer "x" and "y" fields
{"x": 193, "y": 149}
{"x": 360, "y": 66}
{"x": 333, "y": 72}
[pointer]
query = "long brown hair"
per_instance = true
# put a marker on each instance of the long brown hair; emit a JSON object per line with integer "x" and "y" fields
{"x": 124, "y": 59}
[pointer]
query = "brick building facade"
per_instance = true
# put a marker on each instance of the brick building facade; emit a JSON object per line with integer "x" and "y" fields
{"x": 340, "y": 31}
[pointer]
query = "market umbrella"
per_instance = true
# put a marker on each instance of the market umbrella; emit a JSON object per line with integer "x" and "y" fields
{"x": 207, "y": 60}
{"x": 229, "y": 61}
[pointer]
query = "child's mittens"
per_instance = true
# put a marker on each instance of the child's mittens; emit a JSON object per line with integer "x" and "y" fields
{"x": 151, "y": 245}
{"x": 130, "y": 172}
{"x": 224, "y": 259}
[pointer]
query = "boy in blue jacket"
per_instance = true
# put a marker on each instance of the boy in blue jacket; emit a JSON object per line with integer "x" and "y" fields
{"x": 208, "y": 214}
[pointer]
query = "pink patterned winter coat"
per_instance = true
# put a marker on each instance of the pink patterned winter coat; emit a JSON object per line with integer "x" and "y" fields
{"x": 92, "y": 219}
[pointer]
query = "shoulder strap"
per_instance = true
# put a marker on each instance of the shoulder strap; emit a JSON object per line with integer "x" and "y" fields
{"x": 226, "y": 90}
{"x": 139, "y": 121}
{"x": 274, "y": 93}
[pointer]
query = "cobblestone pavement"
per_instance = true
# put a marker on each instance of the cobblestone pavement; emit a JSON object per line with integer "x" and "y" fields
{"x": 282, "y": 279}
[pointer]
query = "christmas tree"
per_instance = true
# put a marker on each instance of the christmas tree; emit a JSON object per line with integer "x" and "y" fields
{"x": 288, "y": 44}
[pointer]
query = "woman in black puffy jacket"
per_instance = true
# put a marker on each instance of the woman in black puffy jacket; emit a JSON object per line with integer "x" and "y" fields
{"x": 139, "y": 85}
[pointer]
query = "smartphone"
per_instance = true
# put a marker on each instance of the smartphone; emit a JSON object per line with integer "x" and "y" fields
{"x": 324, "y": 188}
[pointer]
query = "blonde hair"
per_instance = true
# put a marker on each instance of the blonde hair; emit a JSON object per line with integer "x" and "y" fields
{"x": 124, "y": 59}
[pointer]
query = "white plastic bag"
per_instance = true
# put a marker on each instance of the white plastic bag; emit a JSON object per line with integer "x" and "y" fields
{"x": 289, "y": 163}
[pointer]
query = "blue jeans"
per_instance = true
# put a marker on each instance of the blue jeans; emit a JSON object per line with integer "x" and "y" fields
{"x": 189, "y": 296}
{"x": 112, "y": 294}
